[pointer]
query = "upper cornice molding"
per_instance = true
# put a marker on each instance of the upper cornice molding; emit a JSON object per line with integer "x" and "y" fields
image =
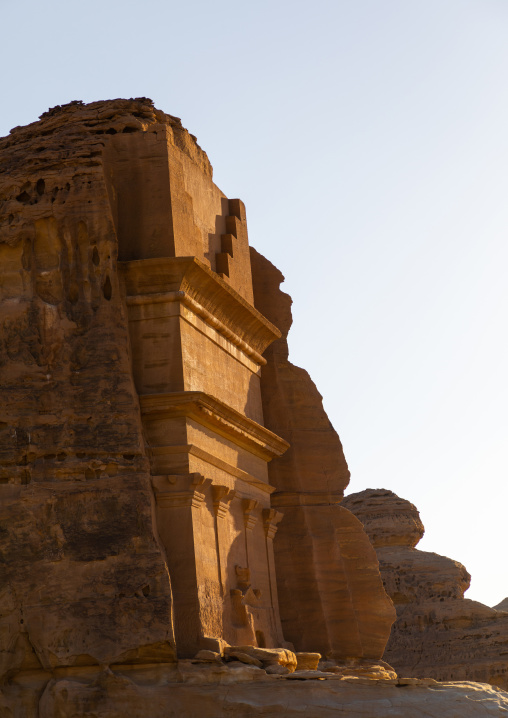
{"x": 188, "y": 280}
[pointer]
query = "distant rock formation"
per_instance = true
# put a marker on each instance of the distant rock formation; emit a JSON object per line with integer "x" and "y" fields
{"x": 438, "y": 633}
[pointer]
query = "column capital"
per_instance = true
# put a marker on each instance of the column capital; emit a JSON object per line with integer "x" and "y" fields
{"x": 166, "y": 495}
{"x": 249, "y": 506}
{"x": 271, "y": 517}
{"x": 222, "y": 497}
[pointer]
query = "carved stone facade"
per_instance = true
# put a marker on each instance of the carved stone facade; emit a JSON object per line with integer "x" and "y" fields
{"x": 196, "y": 356}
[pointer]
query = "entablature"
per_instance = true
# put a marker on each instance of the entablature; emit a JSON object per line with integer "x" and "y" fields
{"x": 189, "y": 281}
{"x": 216, "y": 415}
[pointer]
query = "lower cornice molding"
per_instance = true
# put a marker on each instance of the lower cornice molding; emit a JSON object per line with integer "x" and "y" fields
{"x": 216, "y": 415}
{"x": 193, "y": 450}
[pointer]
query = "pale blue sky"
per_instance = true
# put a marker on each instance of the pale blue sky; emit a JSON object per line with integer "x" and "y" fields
{"x": 369, "y": 141}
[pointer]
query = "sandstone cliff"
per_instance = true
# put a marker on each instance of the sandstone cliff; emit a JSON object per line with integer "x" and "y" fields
{"x": 330, "y": 594}
{"x": 83, "y": 578}
{"x": 438, "y": 633}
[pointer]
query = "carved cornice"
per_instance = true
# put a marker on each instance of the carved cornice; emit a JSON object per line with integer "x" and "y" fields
{"x": 187, "y": 280}
{"x": 210, "y": 319}
{"x": 214, "y": 414}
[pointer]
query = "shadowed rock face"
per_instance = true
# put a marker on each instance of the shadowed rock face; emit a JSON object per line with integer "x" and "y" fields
{"x": 83, "y": 579}
{"x": 331, "y": 596}
{"x": 438, "y": 633}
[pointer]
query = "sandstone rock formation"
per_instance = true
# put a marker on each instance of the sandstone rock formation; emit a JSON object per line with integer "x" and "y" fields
{"x": 270, "y": 698}
{"x": 83, "y": 577}
{"x": 153, "y": 439}
{"x": 330, "y": 597}
{"x": 438, "y": 633}
{"x": 141, "y": 409}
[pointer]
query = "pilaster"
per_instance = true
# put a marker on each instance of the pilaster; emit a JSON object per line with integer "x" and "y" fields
{"x": 271, "y": 518}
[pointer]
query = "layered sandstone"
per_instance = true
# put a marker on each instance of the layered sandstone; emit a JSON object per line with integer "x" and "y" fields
{"x": 270, "y": 698}
{"x": 331, "y": 598}
{"x": 438, "y": 633}
{"x": 83, "y": 578}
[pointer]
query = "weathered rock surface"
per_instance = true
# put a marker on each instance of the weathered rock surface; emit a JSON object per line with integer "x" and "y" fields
{"x": 503, "y": 606}
{"x": 331, "y": 596}
{"x": 191, "y": 688}
{"x": 361, "y": 668}
{"x": 83, "y": 578}
{"x": 265, "y": 656}
{"x": 307, "y": 661}
{"x": 438, "y": 633}
{"x": 118, "y": 696}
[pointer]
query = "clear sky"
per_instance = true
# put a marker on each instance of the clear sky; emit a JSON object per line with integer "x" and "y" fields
{"x": 369, "y": 141}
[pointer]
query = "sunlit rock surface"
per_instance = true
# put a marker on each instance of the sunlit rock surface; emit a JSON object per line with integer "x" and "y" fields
{"x": 171, "y": 539}
{"x": 438, "y": 632}
{"x": 138, "y": 512}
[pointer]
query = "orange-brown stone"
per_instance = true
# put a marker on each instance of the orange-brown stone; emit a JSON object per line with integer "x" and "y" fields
{"x": 331, "y": 598}
{"x": 143, "y": 425}
{"x": 438, "y": 633}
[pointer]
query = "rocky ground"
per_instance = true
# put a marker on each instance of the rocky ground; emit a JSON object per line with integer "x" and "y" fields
{"x": 241, "y": 690}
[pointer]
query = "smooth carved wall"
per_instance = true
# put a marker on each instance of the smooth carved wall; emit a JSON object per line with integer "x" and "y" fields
{"x": 196, "y": 347}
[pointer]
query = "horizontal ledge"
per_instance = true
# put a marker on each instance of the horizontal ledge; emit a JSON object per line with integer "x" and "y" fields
{"x": 214, "y": 461}
{"x": 216, "y": 415}
{"x": 165, "y": 275}
{"x": 194, "y": 306}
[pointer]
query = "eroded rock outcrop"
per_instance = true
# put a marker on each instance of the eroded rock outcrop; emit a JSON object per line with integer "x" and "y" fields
{"x": 438, "y": 633}
{"x": 327, "y": 575}
{"x": 83, "y": 578}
